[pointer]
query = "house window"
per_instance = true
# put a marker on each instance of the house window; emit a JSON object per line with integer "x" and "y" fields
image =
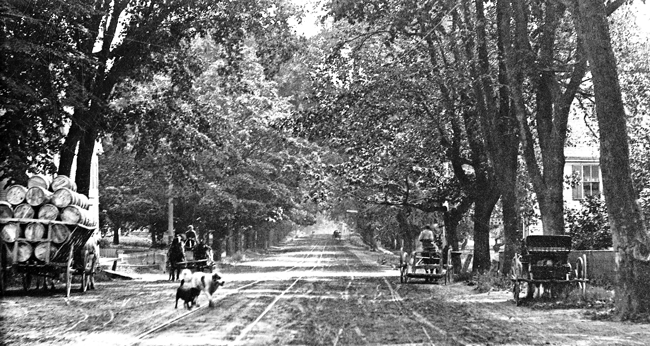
{"x": 588, "y": 181}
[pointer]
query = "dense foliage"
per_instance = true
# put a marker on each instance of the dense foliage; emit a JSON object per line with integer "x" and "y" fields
{"x": 588, "y": 225}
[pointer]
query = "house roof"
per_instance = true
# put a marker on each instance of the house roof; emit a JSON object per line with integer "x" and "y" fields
{"x": 582, "y": 154}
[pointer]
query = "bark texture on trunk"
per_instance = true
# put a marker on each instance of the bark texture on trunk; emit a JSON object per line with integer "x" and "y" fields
{"x": 552, "y": 104}
{"x": 482, "y": 212}
{"x": 630, "y": 237}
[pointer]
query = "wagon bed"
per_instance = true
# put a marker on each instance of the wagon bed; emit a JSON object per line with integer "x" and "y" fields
{"x": 61, "y": 260}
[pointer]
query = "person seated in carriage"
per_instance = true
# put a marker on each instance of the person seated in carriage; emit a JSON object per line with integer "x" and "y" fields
{"x": 431, "y": 242}
{"x": 203, "y": 252}
{"x": 190, "y": 238}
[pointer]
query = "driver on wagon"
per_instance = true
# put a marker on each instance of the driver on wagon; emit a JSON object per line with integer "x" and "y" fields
{"x": 427, "y": 239}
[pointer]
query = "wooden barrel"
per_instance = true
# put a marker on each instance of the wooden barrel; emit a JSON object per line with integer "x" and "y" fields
{"x": 37, "y": 196}
{"x": 24, "y": 211}
{"x": 16, "y": 194}
{"x": 43, "y": 249}
{"x": 3, "y": 194}
{"x": 62, "y": 181}
{"x": 58, "y": 233}
{"x": 23, "y": 251}
{"x": 6, "y": 211}
{"x": 10, "y": 232}
{"x": 39, "y": 180}
{"x": 34, "y": 231}
{"x": 76, "y": 215}
{"x": 64, "y": 197}
{"x": 48, "y": 212}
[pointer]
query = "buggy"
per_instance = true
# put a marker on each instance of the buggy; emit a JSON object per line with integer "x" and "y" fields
{"x": 543, "y": 267}
{"x": 196, "y": 258}
{"x": 426, "y": 264}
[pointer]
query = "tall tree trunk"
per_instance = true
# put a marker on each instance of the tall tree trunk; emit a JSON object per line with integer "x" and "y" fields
{"x": 405, "y": 229}
{"x": 68, "y": 150}
{"x": 84, "y": 159}
{"x": 483, "y": 208}
{"x": 451, "y": 219}
{"x": 552, "y": 105}
{"x": 631, "y": 240}
{"x": 116, "y": 236}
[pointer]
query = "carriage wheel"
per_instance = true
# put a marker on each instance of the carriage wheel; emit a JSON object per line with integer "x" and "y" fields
{"x": 449, "y": 268}
{"x": 516, "y": 290}
{"x": 412, "y": 262}
{"x": 3, "y": 276}
{"x": 403, "y": 267}
{"x": 84, "y": 287}
{"x": 68, "y": 273}
{"x": 581, "y": 273}
{"x": 27, "y": 281}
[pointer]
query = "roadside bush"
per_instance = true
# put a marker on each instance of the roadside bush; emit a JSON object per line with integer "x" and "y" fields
{"x": 104, "y": 243}
{"x": 589, "y": 225}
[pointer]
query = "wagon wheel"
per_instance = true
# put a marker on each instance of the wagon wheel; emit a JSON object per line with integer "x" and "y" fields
{"x": 449, "y": 268}
{"x": 403, "y": 267}
{"x": 516, "y": 290}
{"x": 68, "y": 273}
{"x": 412, "y": 262}
{"x": 530, "y": 286}
{"x": 27, "y": 281}
{"x": 3, "y": 275}
{"x": 3, "y": 268}
{"x": 581, "y": 273}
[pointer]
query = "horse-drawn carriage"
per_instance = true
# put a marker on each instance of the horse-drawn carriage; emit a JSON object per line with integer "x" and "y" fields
{"x": 543, "y": 268}
{"x": 430, "y": 265}
{"x": 198, "y": 257}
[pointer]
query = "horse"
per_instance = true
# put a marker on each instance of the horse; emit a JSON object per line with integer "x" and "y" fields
{"x": 175, "y": 254}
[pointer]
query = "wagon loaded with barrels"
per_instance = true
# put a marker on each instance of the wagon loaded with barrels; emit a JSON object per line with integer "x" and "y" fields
{"x": 43, "y": 229}
{"x": 543, "y": 268}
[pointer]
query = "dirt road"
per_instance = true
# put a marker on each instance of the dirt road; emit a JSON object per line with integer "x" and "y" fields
{"x": 312, "y": 290}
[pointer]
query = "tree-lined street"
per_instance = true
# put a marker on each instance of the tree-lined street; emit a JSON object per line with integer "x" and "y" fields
{"x": 218, "y": 120}
{"x": 310, "y": 290}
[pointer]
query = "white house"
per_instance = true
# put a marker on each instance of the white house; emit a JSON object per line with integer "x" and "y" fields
{"x": 582, "y": 163}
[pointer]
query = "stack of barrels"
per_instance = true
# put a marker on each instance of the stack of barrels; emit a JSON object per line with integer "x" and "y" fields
{"x": 26, "y": 212}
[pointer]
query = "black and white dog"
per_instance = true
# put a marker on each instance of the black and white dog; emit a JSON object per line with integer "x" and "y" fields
{"x": 207, "y": 283}
{"x": 188, "y": 294}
